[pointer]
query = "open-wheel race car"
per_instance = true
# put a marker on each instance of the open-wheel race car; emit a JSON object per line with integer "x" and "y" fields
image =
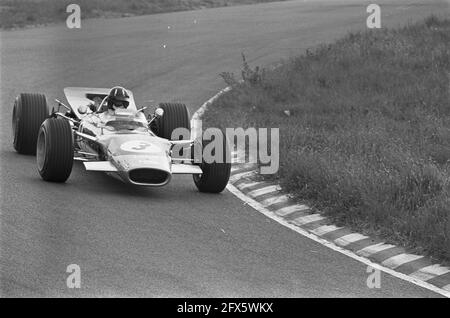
{"x": 120, "y": 141}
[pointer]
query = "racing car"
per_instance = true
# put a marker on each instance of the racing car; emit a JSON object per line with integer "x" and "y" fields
{"x": 135, "y": 147}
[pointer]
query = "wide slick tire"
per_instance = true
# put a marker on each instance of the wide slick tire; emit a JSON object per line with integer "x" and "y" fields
{"x": 30, "y": 111}
{"x": 176, "y": 115}
{"x": 54, "y": 154}
{"x": 216, "y": 175}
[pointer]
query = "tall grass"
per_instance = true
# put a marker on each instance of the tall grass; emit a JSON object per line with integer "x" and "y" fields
{"x": 368, "y": 136}
{"x": 19, "y": 13}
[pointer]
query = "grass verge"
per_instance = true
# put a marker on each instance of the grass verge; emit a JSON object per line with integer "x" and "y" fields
{"x": 364, "y": 130}
{"x": 20, "y": 13}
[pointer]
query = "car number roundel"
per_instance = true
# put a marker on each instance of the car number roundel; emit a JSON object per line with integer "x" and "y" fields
{"x": 139, "y": 146}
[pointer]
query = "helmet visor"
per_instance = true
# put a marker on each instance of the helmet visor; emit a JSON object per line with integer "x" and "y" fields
{"x": 121, "y": 103}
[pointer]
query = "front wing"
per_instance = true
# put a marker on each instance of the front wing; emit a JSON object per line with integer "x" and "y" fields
{"x": 106, "y": 166}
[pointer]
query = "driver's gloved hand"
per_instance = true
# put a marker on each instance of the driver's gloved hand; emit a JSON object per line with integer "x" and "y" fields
{"x": 92, "y": 107}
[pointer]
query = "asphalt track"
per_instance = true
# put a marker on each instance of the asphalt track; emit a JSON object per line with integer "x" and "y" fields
{"x": 171, "y": 241}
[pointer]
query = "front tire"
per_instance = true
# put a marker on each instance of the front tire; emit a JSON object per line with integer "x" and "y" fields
{"x": 175, "y": 116}
{"x": 30, "y": 110}
{"x": 55, "y": 150}
{"x": 215, "y": 176}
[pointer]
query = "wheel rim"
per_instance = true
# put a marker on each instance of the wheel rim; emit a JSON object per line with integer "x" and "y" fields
{"x": 41, "y": 150}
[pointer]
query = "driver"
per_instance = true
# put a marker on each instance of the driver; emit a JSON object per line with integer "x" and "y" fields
{"x": 118, "y": 98}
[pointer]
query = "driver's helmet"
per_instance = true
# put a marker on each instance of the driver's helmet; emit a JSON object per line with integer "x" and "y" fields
{"x": 118, "y": 98}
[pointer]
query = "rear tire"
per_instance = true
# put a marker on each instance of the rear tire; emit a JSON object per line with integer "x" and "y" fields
{"x": 175, "y": 115}
{"x": 30, "y": 110}
{"x": 55, "y": 150}
{"x": 215, "y": 176}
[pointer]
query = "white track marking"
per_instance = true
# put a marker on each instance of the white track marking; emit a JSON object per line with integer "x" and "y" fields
{"x": 238, "y": 161}
{"x": 291, "y": 209}
{"x": 243, "y": 166}
{"x": 276, "y": 199}
{"x": 260, "y": 208}
{"x": 398, "y": 260}
{"x": 372, "y": 249}
{"x": 445, "y": 291}
{"x": 349, "y": 238}
{"x": 263, "y": 191}
{"x": 429, "y": 272}
{"x": 237, "y": 157}
{"x": 308, "y": 219}
{"x": 196, "y": 132}
{"x": 243, "y": 186}
{"x": 324, "y": 229}
{"x": 238, "y": 176}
